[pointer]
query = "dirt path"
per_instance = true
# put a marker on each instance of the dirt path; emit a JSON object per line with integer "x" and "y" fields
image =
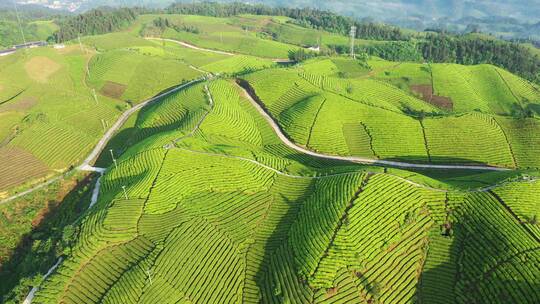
{"x": 354, "y": 159}
{"x": 194, "y": 47}
{"x": 191, "y": 46}
{"x": 32, "y": 293}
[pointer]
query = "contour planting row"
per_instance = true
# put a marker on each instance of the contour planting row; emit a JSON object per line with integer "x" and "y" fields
{"x": 486, "y": 249}
{"x": 522, "y": 198}
{"x": 524, "y": 138}
{"x": 59, "y": 146}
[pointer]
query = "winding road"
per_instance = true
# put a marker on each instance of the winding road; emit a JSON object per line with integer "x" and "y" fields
{"x": 355, "y": 159}
{"x": 105, "y": 139}
{"x": 86, "y": 165}
{"x": 191, "y": 46}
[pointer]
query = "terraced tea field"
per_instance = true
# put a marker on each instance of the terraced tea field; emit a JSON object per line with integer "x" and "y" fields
{"x": 331, "y": 180}
{"x": 361, "y": 112}
{"x": 229, "y": 205}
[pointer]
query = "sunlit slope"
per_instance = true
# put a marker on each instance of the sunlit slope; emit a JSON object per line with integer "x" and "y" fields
{"x": 229, "y": 214}
{"x": 133, "y": 75}
{"x": 226, "y": 34}
{"x": 484, "y": 88}
{"x": 50, "y": 119}
{"x": 380, "y": 117}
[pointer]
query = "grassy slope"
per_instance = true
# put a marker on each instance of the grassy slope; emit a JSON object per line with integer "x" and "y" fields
{"x": 33, "y": 31}
{"x": 359, "y": 112}
{"x": 61, "y": 118}
{"x": 260, "y": 220}
{"x": 254, "y": 235}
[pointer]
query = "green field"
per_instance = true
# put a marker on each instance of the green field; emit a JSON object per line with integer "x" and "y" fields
{"x": 204, "y": 202}
{"x": 231, "y": 206}
{"x": 54, "y": 119}
{"x": 377, "y": 115}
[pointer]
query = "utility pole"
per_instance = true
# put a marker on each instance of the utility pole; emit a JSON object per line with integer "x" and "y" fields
{"x": 95, "y": 96}
{"x": 103, "y": 125}
{"x": 114, "y": 159}
{"x": 353, "y": 36}
{"x": 125, "y": 192}
{"x": 149, "y": 274}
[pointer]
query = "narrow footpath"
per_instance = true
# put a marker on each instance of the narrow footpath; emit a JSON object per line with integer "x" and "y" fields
{"x": 194, "y": 47}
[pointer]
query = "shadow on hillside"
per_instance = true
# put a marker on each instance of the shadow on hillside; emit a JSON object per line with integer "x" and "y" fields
{"x": 130, "y": 136}
{"x": 278, "y": 260}
{"x": 458, "y": 177}
{"x": 434, "y": 160}
{"x": 127, "y": 137}
{"x": 535, "y": 107}
{"x": 37, "y": 250}
{"x": 478, "y": 257}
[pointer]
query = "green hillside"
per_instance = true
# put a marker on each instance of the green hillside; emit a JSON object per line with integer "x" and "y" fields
{"x": 393, "y": 182}
{"x": 381, "y": 114}
{"x": 231, "y": 206}
{"x": 52, "y": 118}
{"x": 10, "y": 33}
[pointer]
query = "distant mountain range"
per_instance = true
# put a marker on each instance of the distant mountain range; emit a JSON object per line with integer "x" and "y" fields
{"x": 504, "y": 18}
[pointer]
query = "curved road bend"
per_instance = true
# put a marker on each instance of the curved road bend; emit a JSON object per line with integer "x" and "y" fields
{"x": 354, "y": 159}
{"x": 85, "y": 166}
{"x": 122, "y": 119}
{"x": 191, "y": 46}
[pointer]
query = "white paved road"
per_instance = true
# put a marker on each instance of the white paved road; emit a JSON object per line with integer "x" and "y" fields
{"x": 86, "y": 165}
{"x": 360, "y": 160}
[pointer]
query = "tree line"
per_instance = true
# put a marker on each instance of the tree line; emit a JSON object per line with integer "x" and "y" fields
{"x": 463, "y": 49}
{"x": 94, "y": 22}
{"x": 397, "y": 46}
{"x": 306, "y": 17}
{"x": 471, "y": 49}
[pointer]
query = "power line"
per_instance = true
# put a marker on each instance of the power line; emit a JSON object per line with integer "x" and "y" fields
{"x": 19, "y": 21}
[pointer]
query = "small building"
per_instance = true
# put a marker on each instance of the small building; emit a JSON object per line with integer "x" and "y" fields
{"x": 59, "y": 46}
{"x": 314, "y": 48}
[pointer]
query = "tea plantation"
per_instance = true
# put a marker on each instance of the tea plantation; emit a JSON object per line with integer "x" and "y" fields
{"x": 203, "y": 200}
{"x": 230, "y": 214}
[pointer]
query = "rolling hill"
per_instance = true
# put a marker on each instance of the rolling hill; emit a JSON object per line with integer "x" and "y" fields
{"x": 264, "y": 180}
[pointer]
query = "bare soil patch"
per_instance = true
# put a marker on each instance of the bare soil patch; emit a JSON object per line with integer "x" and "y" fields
{"x": 426, "y": 92}
{"x": 113, "y": 89}
{"x": 18, "y": 166}
{"x": 41, "y": 68}
{"x": 20, "y": 105}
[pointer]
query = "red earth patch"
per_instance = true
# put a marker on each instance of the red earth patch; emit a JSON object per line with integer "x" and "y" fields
{"x": 426, "y": 91}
